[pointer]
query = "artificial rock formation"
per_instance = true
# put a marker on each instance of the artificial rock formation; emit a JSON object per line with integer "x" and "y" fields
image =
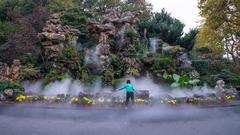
{"x": 55, "y": 37}
{"x": 132, "y": 65}
{"x": 4, "y": 72}
{"x": 220, "y": 86}
{"x": 15, "y": 69}
{"x": 10, "y": 74}
{"x": 112, "y": 24}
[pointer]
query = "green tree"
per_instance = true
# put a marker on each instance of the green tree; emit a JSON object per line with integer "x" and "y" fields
{"x": 189, "y": 39}
{"x": 6, "y": 27}
{"x": 164, "y": 26}
{"x": 221, "y": 28}
{"x": 141, "y": 6}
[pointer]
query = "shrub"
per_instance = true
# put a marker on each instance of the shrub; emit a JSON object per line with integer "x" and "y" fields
{"x": 230, "y": 78}
{"x": 29, "y": 58}
{"x": 201, "y": 66}
{"x": 53, "y": 76}
{"x": 5, "y": 28}
{"x": 86, "y": 76}
{"x": 29, "y": 72}
{"x": 10, "y": 85}
{"x": 131, "y": 33}
{"x": 67, "y": 53}
{"x": 73, "y": 19}
{"x": 118, "y": 66}
{"x": 108, "y": 76}
{"x": 194, "y": 74}
{"x": 162, "y": 62}
{"x": 185, "y": 69}
{"x": 142, "y": 47}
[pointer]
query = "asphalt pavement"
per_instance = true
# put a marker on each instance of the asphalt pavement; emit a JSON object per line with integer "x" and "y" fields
{"x": 154, "y": 120}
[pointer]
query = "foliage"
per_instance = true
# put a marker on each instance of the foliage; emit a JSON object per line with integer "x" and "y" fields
{"x": 167, "y": 76}
{"x": 67, "y": 53}
{"x": 164, "y": 26}
{"x": 188, "y": 40}
{"x": 73, "y": 19}
{"x": 27, "y": 6}
{"x": 131, "y": 33}
{"x": 10, "y": 85}
{"x": 117, "y": 81}
{"x": 29, "y": 72}
{"x": 29, "y": 58}
{"x": 222, "y": 69}
{"x": 115, "y": 71}
{"x": 5, "y": 7}
{"x": 194, "y": 75}
{"x": 201, "y": 66}
{"x": 183, "y": 81}
{"x": 230, "y": 78}
{"x": 118, "y": 66}
{"x": 6, "y": 27}
{"x": 185, "y": 69}
{"x": 142, "y": 47}
{"x": 220, "y": 31}
{"x": 133, "y": 71}
{"x": 108, "y": 76}
{"x": 162, "y": 62}
{"x": 81, "y": 56}
{"x": 141, "y": 6}
{"x": 179, "y": 81}
{"x": 86, "y": 76}
{"x": 54, "y": 76}
{"x": 61, "y": 5}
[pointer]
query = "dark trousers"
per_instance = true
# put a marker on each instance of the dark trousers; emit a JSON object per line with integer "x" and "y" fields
{"x": 128, "y": 96}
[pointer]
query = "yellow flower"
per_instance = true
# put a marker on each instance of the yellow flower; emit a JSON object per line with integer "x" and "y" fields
{"x": 74, "y": 100}
{"x": 86, "y": 100}
{"x": 140, "y": 100}
{"x": 21, "y": 98}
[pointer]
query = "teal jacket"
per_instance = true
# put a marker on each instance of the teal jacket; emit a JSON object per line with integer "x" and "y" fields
{"x": 128, "y": 87}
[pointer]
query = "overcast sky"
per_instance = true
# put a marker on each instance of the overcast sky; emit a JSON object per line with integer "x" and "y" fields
{"x": 184, "y": 10}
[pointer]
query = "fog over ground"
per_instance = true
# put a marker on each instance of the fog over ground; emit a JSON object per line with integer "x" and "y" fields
{"x": 73, "y": 87}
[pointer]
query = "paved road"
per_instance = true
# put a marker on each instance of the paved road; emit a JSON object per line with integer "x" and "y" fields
{"x": 18, "y": 120}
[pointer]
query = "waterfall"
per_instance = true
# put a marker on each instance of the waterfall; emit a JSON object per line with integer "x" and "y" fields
{"x": 153, "y": 45}
{"x": 92, "y": 56}
{"x": 185, "y": 59}
{"x": 78, "y": 46}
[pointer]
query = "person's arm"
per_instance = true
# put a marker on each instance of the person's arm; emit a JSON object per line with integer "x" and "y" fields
{"x": 121, "y": 88}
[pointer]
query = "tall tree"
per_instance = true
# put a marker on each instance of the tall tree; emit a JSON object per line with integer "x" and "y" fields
{"x": 164, "y": 26}
{"x": 221, "y": 28}
{"x": 140, "y": 6}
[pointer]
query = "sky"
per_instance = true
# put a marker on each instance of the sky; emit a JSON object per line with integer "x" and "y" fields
{"x": 184, "y": 10}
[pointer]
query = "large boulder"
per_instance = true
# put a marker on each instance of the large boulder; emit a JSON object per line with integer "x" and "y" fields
{"x": 8, "y": 92}
{"x": 2, "y": 97}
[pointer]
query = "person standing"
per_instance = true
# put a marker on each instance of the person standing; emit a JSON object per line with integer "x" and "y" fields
{"x": 129, "y": 91}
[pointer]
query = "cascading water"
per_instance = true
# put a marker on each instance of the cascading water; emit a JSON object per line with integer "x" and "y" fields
{"x": 92, "y": 56}
{"x": 185, "y": 59}
{"x": 153, "y": 44}
{"x": 78, "y": 46}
